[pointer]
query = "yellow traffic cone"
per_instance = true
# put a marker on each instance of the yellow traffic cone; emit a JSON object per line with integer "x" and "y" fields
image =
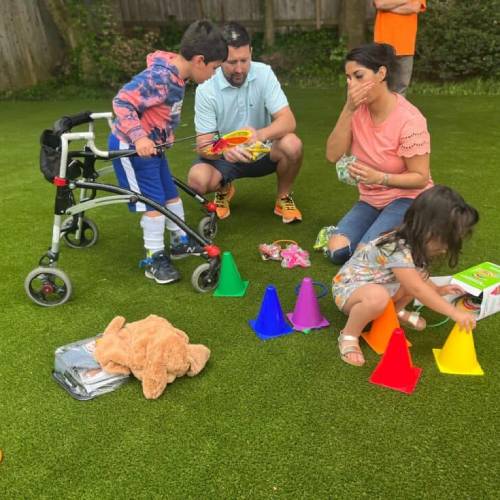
{"x": 458, "y": 355}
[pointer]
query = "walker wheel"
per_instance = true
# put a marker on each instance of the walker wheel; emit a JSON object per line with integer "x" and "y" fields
{"x": 203, "y": 279}
{"x": 207, "y": 227}
{"x": 48, "y": 286}
{"x": 80, "y": 238}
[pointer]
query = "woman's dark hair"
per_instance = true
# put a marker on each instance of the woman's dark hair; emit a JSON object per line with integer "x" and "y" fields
{"x": 203, "y": 38}
{"x": 373, "y": 56}
{"x": 236, "y": 35}
{"x": 439, "y": 214}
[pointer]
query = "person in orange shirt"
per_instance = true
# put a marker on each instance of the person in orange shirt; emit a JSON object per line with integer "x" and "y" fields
{"x": 396, "y": 24}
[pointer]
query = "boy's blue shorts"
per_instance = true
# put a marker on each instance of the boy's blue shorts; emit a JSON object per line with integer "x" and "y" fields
{"x": 149, "y": 176}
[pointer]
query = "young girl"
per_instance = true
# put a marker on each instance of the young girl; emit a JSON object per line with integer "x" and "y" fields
{"x": 435, "y": 225}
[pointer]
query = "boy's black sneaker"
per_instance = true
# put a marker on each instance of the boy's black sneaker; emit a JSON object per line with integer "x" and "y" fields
{"x": 159, "y": 268}
{"x": 184, "y": 248}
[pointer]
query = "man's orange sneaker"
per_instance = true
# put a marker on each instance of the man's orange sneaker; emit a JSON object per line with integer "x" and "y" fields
{"x": 222, "y": 201}
{"x": 286, "y": 209}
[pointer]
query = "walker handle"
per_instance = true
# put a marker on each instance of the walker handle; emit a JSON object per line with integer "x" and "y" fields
{"x": 80, "y": 118}
{"x": 66, "y": 123}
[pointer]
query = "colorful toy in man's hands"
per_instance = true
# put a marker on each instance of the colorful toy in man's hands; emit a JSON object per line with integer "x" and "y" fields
{"x": 342, "y": 167}
{"x": 227, "y": 141}
{"x": 237, "y": 138}
{"x": 258, "y": 149}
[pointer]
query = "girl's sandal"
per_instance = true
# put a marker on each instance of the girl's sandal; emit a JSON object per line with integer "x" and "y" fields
{"x": 412, "y": 319}
{"x": 348, "y": 349}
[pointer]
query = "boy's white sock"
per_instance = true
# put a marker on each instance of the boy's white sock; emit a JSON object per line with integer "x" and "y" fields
{"x": 153, "y": 230}
{"x": 176, "y": 233}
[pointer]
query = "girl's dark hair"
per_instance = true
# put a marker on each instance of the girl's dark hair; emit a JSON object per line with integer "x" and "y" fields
{"x": 440, "y": 214}
{"x": 236, "y": 35}
{"x": 203, "y": 38}
{"x": 373, "y": 56}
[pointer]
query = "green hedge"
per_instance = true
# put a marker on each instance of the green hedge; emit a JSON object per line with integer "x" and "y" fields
{"x": 305, "y": 56}
{"x": 459, "y": 39}
{"x": 107, "y": 57}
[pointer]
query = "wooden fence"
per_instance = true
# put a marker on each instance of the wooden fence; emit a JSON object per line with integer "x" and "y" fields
{"x": 30, "y": 45}
{"x": 287, "y": 13}
{"x": 34, "y": 38}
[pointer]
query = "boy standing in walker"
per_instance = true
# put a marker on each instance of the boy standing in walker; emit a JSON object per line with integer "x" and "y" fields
{"x": 147, "y": 111}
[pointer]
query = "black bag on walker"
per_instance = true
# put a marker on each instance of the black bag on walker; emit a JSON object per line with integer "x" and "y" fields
{"x": 77, "y": 371}
{"x": 50, "y": 154}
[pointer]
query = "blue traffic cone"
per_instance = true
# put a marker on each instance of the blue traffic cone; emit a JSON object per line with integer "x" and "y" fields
{"x": 271, "y": 321}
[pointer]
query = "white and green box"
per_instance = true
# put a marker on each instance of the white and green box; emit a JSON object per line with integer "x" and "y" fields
{"x": 482, "y": 281}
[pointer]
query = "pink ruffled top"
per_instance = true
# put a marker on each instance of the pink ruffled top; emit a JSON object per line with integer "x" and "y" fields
{"x": 384, "y": 146}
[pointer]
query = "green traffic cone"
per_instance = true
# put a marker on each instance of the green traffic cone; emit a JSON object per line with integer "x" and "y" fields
{"x": 230, "y": 282}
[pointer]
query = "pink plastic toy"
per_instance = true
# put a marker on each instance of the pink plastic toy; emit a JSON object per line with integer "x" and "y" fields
{"x": 270, "y": 252}
{"x": 291, "y": 256}
{"x": 294, "y": 256}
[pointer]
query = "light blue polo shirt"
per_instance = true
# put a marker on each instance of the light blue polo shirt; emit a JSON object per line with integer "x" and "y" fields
{"x": 220, "y": 106}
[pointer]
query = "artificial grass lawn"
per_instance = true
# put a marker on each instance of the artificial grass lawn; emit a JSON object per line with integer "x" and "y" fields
{"x": 282, "y": 418}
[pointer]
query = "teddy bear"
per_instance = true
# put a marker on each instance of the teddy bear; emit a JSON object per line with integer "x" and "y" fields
{"x": 152, "y": 349}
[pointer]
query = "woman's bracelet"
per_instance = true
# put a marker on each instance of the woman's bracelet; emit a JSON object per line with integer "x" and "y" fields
{"x": 385, "y": 180}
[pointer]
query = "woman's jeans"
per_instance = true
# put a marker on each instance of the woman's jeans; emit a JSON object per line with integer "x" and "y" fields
{"x": 364, "y": 223}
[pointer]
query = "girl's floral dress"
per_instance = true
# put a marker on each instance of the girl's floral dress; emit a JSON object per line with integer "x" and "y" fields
{"x": 371, "y": 264}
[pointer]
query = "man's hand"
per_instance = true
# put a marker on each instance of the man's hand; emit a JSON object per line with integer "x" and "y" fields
{"x": 238, "y": 154}
{"x": 255, "y": 135}
{"x": 145, "y": 147}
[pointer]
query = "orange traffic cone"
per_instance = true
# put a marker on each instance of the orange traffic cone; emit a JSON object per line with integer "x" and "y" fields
{"x": 395, "y": 370}
{"x": 458, "y": 355}
{"x": 381, "y": 330}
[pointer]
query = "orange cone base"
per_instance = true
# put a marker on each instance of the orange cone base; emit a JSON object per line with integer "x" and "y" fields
{"x": 475, "y": 370}
{"x": 379, "y": 377}
{"x": 378, "y": 344}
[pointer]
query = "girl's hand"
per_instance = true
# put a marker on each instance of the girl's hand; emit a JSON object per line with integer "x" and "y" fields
{"x": 145, "y": 147}
{"x": 465, "y": 320}
{"x": 450, "y": 290}
{"x": 365, "y": 174}
{"x": 357, "y": 94}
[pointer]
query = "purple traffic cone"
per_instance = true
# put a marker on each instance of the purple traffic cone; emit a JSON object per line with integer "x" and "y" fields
{"x": 307, "y": 314}
{"x": 271, "y": 322}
